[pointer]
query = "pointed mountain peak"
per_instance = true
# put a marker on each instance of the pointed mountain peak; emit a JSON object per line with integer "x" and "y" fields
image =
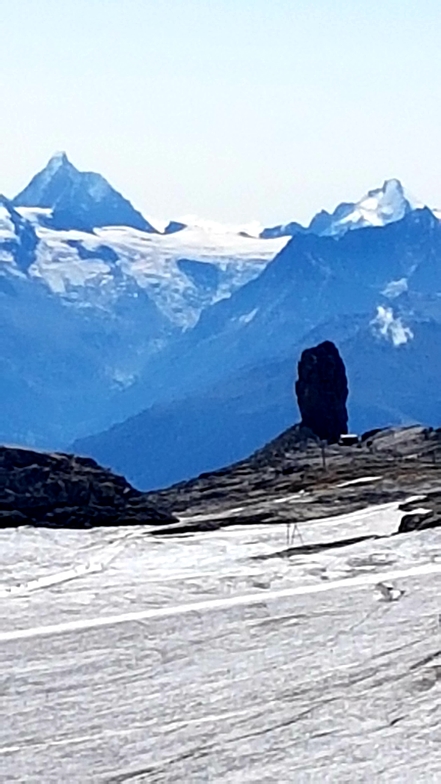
{"x": 384, "y": 205}
{"x": 392, "y": 189}
{"x": 60, "y": 156}
{"x": 46, "y": 187}
{"x": 58, "y": 160}
{"x": 393, "y": 185}
{"x": 378, "y": 207}
{"x": 395, "y": 188}
{"x": 78, "y": 200}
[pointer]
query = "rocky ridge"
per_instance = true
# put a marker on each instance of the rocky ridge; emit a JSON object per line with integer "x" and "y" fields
{"x": 295, "y": 478}
{"x": 61, "y": 490}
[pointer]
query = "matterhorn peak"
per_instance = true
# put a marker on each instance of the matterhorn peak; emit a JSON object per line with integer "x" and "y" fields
{"x": 58, "y": 159}
{"x": 48, "y": 185}
{"x": 60, "y": 156}
{"x": 78, "y": 200}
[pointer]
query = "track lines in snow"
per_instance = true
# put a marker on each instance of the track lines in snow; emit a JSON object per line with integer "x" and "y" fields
{"x": 52, "y": 579}
{"x": 96, "y": 565}
{"x": 212, "y": 605}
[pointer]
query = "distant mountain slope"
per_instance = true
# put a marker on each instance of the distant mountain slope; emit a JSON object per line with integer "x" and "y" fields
{"x": 78, "y": 200}
{"x": 311, "y": 281}
{"x": 18, "y": 239}
{"x": 62, "y": 369}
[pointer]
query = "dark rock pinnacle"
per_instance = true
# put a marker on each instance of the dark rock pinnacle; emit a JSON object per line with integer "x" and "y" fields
{"x": 322, "y": 391}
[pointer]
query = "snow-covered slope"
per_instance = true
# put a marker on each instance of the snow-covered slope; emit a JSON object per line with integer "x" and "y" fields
{"x": 378, "y": 208}
{"x": 97, "y": 267}
{"x": 83, "y": 240}
{"x": 220, "y": 657}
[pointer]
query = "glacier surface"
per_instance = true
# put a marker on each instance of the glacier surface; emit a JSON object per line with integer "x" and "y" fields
{"x": 215, "y": 657}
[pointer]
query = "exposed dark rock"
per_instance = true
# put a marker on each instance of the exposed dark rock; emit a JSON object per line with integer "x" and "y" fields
{"x": 12, "y": 519}
{"x": 416, "y": 521}
{"x": 289, "y": 481}
{"x": 201, "y": 273}
{"x": 102, "y": 252}
{"x": 421, "y": 513}
{"x": 61, "y": 490}
{"x": 286, "y": 230}
{"x": 322, "y": 391}
{"x": 23, "y": 246}
{"x": 174, "y": 226}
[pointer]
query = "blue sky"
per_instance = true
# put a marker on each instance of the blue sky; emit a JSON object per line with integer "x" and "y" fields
{"x": 230, "y": 109}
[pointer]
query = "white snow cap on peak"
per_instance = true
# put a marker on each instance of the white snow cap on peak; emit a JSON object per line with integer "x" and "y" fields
{"x": 379, "y": 207}
{"x": 58, "y": 159}
{"x": 37, "y": 192}
{"x": 390, "y": 201}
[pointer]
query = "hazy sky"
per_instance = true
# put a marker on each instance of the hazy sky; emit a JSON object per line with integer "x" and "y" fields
{"x": 230, "y": 109}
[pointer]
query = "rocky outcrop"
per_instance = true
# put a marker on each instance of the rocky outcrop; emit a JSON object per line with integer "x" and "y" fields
{"x": 421, "y": 512}
{"x": 20, "y": 240}
{"x": 288, "y": 481}
{"x": 322, "y": 391}
{"x": 61, "y": 490}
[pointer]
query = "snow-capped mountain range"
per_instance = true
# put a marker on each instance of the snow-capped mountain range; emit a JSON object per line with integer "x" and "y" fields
{"x": 105, "y": 312}
{"x": 87, "y": 244}
{"x": 92, "y": 247}
{"x": 379, "y": 207}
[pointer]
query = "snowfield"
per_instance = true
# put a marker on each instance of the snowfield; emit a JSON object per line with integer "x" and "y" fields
{"x": 215, "y": 657}
{"x": 99, "y": 265}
